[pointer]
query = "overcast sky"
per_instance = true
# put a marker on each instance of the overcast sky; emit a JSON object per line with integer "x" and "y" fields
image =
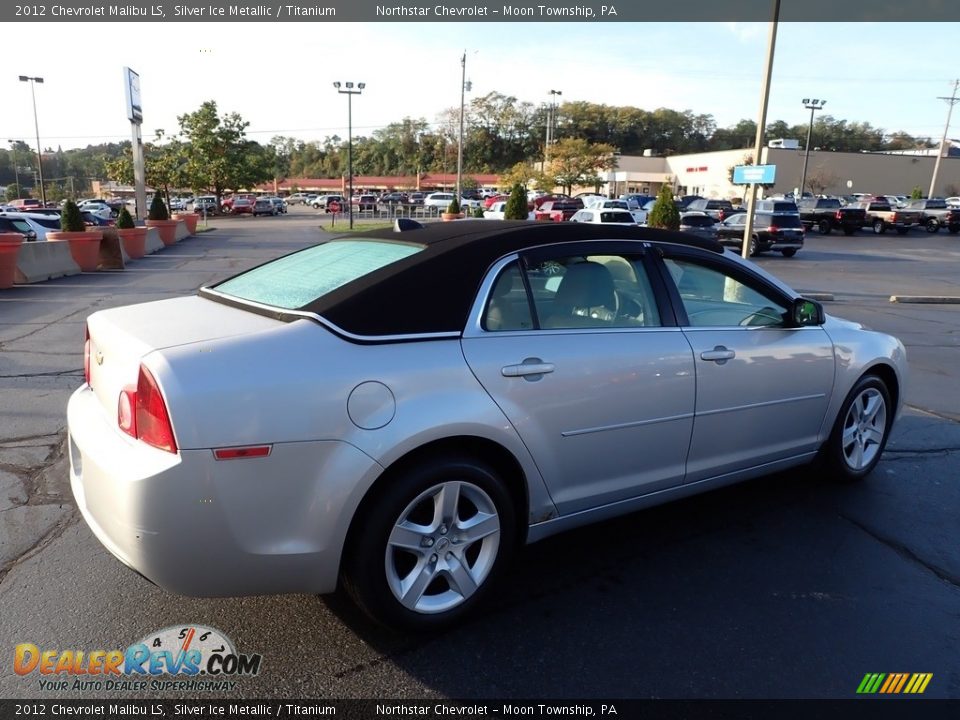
{"x": 279, "y": 76}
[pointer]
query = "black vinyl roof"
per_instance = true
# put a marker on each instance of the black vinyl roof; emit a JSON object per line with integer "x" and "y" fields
{"x": 433, "y": 290}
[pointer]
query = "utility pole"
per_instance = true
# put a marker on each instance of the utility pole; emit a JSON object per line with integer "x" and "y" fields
{"x": 463, "y": 90}
{"x": 951, "y": 101}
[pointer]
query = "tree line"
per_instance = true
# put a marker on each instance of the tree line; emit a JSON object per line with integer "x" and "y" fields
{"x": 210, "y": 151}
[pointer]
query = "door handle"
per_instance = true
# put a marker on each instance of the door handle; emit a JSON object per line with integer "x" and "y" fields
{"x": 530, "y": 368}
{"x": 719, "y": 355}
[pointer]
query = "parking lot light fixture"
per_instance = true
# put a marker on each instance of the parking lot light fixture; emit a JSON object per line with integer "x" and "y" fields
{"x": 811, "y": 105}
{"x": 349, "y": 92}
{"x": 33, "y": 82}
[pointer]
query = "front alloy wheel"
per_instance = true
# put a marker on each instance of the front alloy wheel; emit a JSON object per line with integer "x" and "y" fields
{"x": 429, "y": 545}
{"x": 861, "y": 431}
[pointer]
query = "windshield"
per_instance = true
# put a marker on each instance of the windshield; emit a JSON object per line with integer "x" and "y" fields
{"x": 301, "y": 278}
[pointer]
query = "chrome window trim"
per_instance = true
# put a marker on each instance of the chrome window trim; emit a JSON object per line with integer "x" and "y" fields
{"x": 319, "y": 319}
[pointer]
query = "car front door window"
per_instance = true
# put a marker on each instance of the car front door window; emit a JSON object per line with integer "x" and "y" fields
{"x": 712, "y": 298}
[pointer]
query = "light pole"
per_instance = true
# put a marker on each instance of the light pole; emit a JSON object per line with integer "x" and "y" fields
{"x": 812, "y": 106}
{"x": 551, "y": 118}
{"x": 350, "y": 92}
{"x": 951, "y": 101}
{"x": 463, "y": 91}
{"x": 33, "y": 81}
{"x": 16, "y": 170}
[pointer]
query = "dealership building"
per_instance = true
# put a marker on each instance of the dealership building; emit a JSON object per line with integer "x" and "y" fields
{"x": 833, "y": 173}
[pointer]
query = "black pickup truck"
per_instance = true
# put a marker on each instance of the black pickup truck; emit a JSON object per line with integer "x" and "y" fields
{"x": 827, "y": 214}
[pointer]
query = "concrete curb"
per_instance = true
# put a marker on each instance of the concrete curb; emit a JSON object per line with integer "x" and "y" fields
{"x": 823, "y": 297}
{"x": 41, "y": 260}
{"x": 926, "y": 299}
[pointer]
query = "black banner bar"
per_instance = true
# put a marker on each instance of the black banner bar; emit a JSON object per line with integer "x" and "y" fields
{"x": 855, "y": 709}
{"x": 644, "y": 11}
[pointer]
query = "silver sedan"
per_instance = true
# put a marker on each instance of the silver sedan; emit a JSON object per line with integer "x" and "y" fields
{"x": 394, "y": 413}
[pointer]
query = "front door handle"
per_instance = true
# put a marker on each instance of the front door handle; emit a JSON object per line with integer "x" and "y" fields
{"x": 530, "y": 368}
{"x": 719, "y": 355}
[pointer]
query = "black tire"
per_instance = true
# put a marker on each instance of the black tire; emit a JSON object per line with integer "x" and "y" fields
{"x": 848, "y": 231}
{"x": 902, "y": 231}
{"x": 838, "y": 466}
{"x": 879, "y": 227}
{"x": 953, "y": 229}
{"x": 932, "y": 225}
{"x": 369, "y": 563}
{"x": 789, "y": 252}
{"x": 753, "y": 248}
{"x": 824, "y": 227}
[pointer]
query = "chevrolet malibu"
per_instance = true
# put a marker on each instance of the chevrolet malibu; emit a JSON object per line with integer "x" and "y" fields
{"x": 395, "y": 414}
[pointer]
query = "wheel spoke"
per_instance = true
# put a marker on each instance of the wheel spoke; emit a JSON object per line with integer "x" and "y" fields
{"x": 872, "y": 406}
{"x": 872, "y": 435}
{"x": 857, "y": 459}
{"x": 460, "y": 578}
{"x": 479, "y": 526}
{"x": 447, "y": 500}
{"x": 849, "y": 435}
{"x": 415, "y": 584}
{"x": 407, "y": 536}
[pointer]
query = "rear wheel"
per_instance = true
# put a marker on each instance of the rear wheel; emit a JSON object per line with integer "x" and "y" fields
{"x": 823, "y": 227}
{"x": 860, "y": 432}
{"x": 932, "y": 225}
{"x": 954, "y": 229}
{"x": 432, "y": 545}
{"x": 879, "y": 227}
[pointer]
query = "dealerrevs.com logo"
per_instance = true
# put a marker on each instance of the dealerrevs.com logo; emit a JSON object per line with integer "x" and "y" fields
{"x": 179, "y": 657}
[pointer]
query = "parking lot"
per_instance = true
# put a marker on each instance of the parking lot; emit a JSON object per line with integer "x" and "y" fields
{"x": 783, "y": 587}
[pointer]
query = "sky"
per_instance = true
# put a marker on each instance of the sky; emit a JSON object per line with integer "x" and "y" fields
{"x": 278, "y": 76}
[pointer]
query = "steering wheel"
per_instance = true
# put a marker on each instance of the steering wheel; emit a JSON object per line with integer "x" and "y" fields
{"x": 760, "y": 317}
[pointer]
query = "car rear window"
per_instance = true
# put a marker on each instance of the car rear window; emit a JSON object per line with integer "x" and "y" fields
{"x": 616, "y": 216}
{"x": 784, "y": 221}
{"x": 296, "y": 280}
{"x": 698, "y": 221}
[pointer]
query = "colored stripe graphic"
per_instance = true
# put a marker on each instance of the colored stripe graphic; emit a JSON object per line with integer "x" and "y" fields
{"x": 894, "y": 683}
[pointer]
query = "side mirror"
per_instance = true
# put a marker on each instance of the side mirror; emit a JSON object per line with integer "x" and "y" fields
{"x": 806, "y": 312}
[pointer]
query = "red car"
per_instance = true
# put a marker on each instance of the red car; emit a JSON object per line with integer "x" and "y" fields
{"x": 241, "y": 206}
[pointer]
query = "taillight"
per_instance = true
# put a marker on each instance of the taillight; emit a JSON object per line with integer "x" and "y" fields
{"x": 86, "y": 354}
{"x": 839, "y": 215}
{"x": 773, "y": 229}
{"x": 893, "y": 217}
{"x": 151, "y": 419}
{"x": 127, "y": 411}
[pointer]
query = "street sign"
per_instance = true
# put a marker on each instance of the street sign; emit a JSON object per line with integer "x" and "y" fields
{"x": 754, "y": 174}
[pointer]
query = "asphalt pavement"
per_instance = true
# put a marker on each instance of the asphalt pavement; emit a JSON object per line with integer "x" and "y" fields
{"x": 782, "y": 587}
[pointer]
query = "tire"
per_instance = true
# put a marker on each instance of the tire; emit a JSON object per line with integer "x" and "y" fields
{"x": 823, "y": 227}
{"x": 932, "y": 225}
{"x": 753, "y": 247}
{"x": 411, "y": 564}
{"x": 902, "y": 231}
{"x": 879, "y": 227}
{"x": 848, "y": 231}
{"x": 789, "y": 252}
{"x": 860, "y": 432}
{"x": 953, "y": 229}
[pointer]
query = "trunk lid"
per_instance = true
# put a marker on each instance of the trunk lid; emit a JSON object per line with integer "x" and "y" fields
{"x": 121, "y": 337}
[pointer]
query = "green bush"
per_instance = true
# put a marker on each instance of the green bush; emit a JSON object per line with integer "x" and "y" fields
{"x": 516, "y": 208}
{"x": 916, "y": 193}
{"x": 664, "y": 213}
{"x": 478, "y": 211}
{"x": 454, "y": 207}
{"x": 158, "y": 209}
{"x": 125, "y": 219}
{"x": 71, "y": 220}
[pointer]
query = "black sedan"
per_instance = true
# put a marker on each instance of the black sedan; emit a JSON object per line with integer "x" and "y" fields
{"x": 771, "y": 231}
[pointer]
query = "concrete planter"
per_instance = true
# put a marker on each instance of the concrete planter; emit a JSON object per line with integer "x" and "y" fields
{"x": 84, "y": 247}
{"x": 166, "y": 228}
{"x": 134, "y": 241}
{"x": 191, "y": 219}
{"x": 9, "y": 250}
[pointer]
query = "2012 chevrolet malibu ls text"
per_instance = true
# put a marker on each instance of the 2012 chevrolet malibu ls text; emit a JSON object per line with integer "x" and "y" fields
{"x": 393, "y": 414}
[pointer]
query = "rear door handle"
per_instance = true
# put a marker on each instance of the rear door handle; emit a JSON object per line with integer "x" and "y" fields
{"x": 530, "y": 368}
{"x": 719, "y": 355}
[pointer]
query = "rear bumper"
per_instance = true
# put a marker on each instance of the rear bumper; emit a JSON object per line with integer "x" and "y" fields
{"x": 197, "y": 526}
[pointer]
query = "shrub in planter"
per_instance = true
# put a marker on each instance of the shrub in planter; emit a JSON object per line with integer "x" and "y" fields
{"x": 71, "y": 220}
{"x": 454, "y": 207}
{"x": 125, "y": 220}
{"x": 516, "y": 207}
{"x": 664, "y": 213}
{"x": 158, "y": 210}
{"x": 478, "y": 211}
